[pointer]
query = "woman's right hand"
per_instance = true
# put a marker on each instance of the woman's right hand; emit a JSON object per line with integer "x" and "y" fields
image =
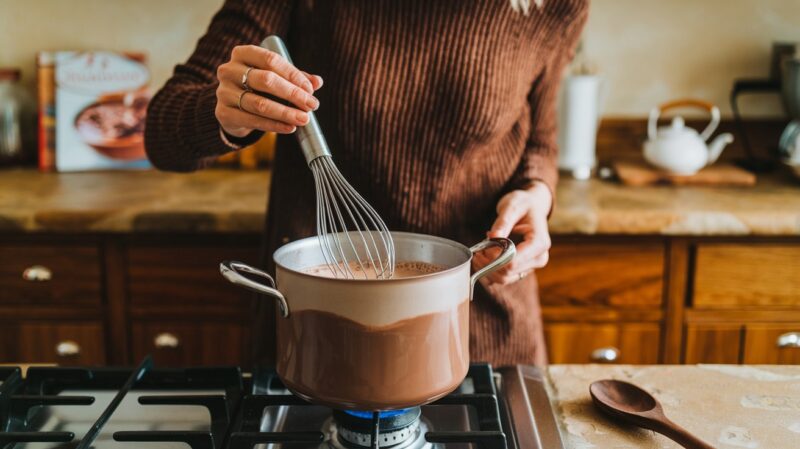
{"x": 270, "y": 74}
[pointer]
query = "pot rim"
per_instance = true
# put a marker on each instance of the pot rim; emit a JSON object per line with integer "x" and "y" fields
{"x": 452, "y": 243}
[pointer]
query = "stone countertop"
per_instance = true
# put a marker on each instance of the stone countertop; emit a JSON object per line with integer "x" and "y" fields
{"x": 728, "y": 406}
{"x": 235, "y": 201}
{"x": 771, "y": 207}
{"x": 133, "y": 201}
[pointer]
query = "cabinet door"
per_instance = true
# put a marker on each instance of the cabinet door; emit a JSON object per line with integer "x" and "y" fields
{"x": 747, "y": 275}
{"x": 603, "y": 343}
{"x": 191, "y": 344}
{"x": 61, "y": 343}
{"x": 772, "y": 344}
{"x": 183, "y": 275}
{"x": 713, "y": 343}
{"x": 603, "y": 274}
{"x": 41, "y": 274}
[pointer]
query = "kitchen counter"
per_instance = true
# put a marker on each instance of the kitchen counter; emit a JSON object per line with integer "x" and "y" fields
{"x": 234, "y": 201}
{"x": 728, "y": 406}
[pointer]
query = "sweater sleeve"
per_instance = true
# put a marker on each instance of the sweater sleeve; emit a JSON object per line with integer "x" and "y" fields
{"x": 539, "y": 162}
{"x": 182, "y": 132}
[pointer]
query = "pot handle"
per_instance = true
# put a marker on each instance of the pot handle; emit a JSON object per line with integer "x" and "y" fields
{"x": 508, "y": 252}
{"x": 231, "y": 271}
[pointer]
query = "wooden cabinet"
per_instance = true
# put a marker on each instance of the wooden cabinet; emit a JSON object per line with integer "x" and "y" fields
{"x": 739, "y": 275}
{"x": 185, "y": 274}
{"x": 772, "y": 344}
{"x": 32, "y": 274}
{"x": 749, "y": 343}
{"x": 713, "y": 343}
{"x": 602, "y": 301}
{"x": 184, "y": 312}
{"x": 636, "y": 343}
{"x": 744, "y": 304}
{"x": 96, "y": 299}
{"x": 603, "y": 274}
{"x": 191, "y": 344}
{"x": 80, "y": 343}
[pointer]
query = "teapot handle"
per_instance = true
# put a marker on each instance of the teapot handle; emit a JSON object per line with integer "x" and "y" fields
{"x": 684, "y": 103}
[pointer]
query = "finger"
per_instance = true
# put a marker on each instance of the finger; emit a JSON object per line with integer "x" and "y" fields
{"x": 480, "y": 261}
{"x": 262, "y": 58}
{"x": 316, "y": 80}
{"x": 240, "y": 119}
{"x": 264, "y": 107}
{"x": 272, "y": 83}
{"x": 269, "y": 82}
{"x": 509, "y": 211}
{"x": 529, "y": 253}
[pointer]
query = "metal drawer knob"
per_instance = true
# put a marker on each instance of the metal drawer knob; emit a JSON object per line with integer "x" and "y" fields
{"x": 37, "y": 273}
{"x": 605, "y": 355}
{"x": 68, "y": 348}
{"x": 789, "y": 340}
{"x": 166, "y": 340}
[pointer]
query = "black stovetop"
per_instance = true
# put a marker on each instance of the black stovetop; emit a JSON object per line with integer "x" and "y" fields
{"x": 101, "y": 407}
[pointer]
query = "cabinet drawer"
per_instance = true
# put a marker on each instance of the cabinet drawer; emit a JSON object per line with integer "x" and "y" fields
{"x": 38, "y": 274}
{"x": 599, "y": 274}
{"x": 772, "y": 344}
{"x": 713, "y": 343}
{"x": 603, "y": 343}
{"x": 747, "y": 275}
{"x": 191, "y": 344}
{"x": 61, "y": 343}
{"x": 185, "y": 275}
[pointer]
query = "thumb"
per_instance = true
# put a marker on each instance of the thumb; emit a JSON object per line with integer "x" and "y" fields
{"x": 508, "y": 215}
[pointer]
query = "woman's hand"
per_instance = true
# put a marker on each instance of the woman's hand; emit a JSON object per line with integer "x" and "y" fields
{"x": 522, "y": 212}
{"x": 240, "y": 113}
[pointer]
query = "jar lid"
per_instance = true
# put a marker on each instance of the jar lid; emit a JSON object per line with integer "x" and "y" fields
{"x": 10, "y": 74}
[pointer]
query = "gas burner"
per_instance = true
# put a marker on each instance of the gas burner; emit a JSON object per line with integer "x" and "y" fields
{"x": 399, "y": 429}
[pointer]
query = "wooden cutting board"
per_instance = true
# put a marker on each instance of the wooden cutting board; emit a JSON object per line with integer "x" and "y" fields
{"x": 640, "y": 173}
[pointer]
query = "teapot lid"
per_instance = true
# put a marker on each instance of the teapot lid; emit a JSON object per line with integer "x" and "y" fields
{"x": 676, "y": 128}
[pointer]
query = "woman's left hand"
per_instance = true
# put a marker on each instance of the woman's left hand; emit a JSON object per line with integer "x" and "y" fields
{"x": 521, "y": 212}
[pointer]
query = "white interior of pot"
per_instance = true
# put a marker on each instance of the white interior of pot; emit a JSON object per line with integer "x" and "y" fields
{"x": 306, "y": 253}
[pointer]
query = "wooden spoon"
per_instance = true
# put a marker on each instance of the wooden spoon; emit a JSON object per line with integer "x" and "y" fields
{"x": 627, "y": 402}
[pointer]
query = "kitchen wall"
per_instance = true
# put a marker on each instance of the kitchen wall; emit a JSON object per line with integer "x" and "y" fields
{"x": 648, "y": 50}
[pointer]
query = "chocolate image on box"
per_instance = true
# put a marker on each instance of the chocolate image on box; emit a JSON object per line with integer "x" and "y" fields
{"x": 114, "y": 125}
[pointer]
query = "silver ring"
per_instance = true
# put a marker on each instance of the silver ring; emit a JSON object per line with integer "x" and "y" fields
{"x": 239, "y": 102}
{"x": 522, "y": 276}
{"x": 244, "y": 78}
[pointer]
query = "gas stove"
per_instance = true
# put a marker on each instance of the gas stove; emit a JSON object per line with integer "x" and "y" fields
{"x": 222, "y": 408}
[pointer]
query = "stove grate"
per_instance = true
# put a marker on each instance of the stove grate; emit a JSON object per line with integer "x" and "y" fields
{"x": 235, "y": 417}
{"x": 43, "y": 387}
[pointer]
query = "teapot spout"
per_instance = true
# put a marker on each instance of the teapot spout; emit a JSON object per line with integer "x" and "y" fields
{"x": 717, "y": 145}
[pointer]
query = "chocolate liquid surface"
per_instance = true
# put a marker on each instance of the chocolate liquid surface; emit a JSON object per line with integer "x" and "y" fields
{"x": 337, "y": 362}
{"x": 401, "y": 270}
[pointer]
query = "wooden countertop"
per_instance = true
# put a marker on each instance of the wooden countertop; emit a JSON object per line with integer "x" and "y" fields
{"x": 728, "y": 406}
{"x": 226, "y": 201}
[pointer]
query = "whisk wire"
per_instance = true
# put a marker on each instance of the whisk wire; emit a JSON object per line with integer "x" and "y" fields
{"x": 341, "y": 229}
{"x": 332, "y": 231}
{"x": 353, "y": 212}
{"x": 324, "y": 214}
{"x": 379, "y": 226}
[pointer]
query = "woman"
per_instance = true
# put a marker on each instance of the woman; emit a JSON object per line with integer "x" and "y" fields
{"x": 441, "y": 113}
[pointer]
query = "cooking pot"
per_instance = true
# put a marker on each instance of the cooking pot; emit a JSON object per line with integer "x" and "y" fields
{"x": 373, "y": 344}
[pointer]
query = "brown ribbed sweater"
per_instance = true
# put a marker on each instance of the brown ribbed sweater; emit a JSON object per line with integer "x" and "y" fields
{"x": 432, "y": 109}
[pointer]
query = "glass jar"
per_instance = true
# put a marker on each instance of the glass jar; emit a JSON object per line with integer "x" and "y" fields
{"x": 17, "y": 120}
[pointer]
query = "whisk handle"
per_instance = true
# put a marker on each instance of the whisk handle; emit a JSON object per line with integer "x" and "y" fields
{"x": 312, "y": 141}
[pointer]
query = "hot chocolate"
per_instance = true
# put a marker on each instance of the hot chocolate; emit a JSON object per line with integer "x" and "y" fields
{"x": 341, "y": 363}
{"x": 401, "y": 270}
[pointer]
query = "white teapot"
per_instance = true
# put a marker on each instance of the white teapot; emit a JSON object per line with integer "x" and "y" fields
{"x": 678, "y": 149}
